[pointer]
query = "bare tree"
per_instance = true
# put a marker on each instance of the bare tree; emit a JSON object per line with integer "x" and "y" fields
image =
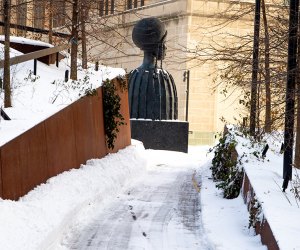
{"x": 84, "y": 15}
{"x": 297, "y": 142}
{"x": 255, "y": 64}
{"x": 74, "y": 39}
{"x": 6, "y": 78}
{"x": 268, "y": 121}
{"x": 236, "y": 58}
{"x": 50, "y": 9}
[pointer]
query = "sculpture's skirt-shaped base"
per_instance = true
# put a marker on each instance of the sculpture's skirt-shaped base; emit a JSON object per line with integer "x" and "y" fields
{"x": 152, "y": 94}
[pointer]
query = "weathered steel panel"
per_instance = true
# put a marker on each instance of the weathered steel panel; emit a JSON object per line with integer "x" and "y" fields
{"x": 84, "y": 129}
{"x": 0, "y": 174}
{"x": 263, "y": 228}
{"x": 267, "y": 236}
{"x": 82, "y": 120}
{"x": 33, "y": 158}
{"x": 11, "y": 170}
{"x": 64, "y": 141}
{"x": 60, "y": 141}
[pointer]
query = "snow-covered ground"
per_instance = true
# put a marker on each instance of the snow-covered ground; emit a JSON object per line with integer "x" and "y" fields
{"x": 35, "y": 98}
{"x": 281, "y": 210}
{"x": 45, "y": 217}
{"x": 159, "y": 210}
{"x": 50, "y": 216}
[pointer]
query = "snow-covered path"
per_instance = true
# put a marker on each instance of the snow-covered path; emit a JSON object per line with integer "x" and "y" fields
{"x": 160, "y": 211}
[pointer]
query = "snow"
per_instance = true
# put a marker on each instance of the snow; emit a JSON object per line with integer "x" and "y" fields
{"x": 280, "y": 209}
{"x": 23, "y": 40}
{"x": 36, "y": 98}
{"x": 36, "y": 219}
{"x": 42, "y": 218}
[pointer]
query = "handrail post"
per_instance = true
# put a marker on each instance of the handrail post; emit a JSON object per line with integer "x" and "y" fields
{"x": 57, "y": 59}
{"x": 34, "y": 66}
{"x": 66, "y": 75}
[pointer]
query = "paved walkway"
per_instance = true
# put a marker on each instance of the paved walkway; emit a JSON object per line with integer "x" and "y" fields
{"x": 160, "y": 212}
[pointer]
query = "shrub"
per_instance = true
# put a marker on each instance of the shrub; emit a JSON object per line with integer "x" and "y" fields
{"x": 226, "y": 167}
{"x": 113, "y": 118}
{"x": 255, "y": 213}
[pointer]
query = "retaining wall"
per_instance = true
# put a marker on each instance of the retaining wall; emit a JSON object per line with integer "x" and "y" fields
{"x": 64, "y": 141}
{"x": 263, "y": 228}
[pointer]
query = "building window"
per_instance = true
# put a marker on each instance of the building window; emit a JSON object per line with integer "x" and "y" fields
{"x": 112, "y": 7}
{"x": 106, "y": 7}
{"x": 134, "y": 4}
{"x": 129, "y": 4}
{"x": 21, "y": 15}
{"x": 39, "y": 14}
{"x": 59, "y": 11}
{"x": 101, "y": 8}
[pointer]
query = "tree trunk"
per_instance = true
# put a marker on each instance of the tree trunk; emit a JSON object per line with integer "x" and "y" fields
{"x": 51, "y": 21}
{"x": 290, "y": 93}
{"x": 74, "y": 40}
{"x": 268, "y": 119}
{"x": 6, "y": 70}
{"x": 84, "y": 15}
{"x": 297, "y": 143}
{"x": 255, "y": 64}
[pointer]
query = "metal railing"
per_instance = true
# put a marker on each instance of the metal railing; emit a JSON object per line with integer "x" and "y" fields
{"x": 35, "y": 55}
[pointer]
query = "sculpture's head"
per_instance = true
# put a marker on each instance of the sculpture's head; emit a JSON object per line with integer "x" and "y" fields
{"x": 149, "y": 34}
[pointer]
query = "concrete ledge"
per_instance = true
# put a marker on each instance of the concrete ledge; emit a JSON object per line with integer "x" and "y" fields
{"x": 161, "y": 135}
{"x": 263, "y": 228}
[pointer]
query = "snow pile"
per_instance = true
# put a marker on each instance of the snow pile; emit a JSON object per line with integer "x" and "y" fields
{"x": 23, "y": 40}
{"x": 280, "y": 209}
{"x": 36, "y": 220}
{"x": 35, "y": 98}
{"x": 226, "y": 221}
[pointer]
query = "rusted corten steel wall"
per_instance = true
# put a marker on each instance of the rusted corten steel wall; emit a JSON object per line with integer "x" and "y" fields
{"x": 263, "y": 228}
{"x": 64, "y": 141}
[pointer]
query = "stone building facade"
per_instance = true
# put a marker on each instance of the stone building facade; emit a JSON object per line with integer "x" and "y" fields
{"x": 192, "y": 26}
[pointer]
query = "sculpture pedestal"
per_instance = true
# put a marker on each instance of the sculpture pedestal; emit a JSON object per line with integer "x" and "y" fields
{"x": 163, "y": 135}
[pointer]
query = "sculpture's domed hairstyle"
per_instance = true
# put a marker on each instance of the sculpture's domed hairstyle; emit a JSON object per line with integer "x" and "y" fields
{"x": 152, "y": 91}
{"x": 148, "y": 33}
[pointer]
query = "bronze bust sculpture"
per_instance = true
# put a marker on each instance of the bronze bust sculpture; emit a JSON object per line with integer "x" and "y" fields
{"x": 152, "y": 91}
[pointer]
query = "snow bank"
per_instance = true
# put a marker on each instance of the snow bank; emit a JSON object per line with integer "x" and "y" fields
{"x": 265, "y": 174}
{"x": 226, "y": 220}
{"x": 35, "y": 98}
{"x": 23, "y": 40}
{"x": 35, "y": 221}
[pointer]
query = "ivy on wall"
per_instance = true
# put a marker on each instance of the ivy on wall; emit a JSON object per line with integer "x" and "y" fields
{"x": 113, "y": 118}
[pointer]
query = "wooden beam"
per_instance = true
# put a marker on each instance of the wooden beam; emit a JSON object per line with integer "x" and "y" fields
{"x": 35, "y": 54}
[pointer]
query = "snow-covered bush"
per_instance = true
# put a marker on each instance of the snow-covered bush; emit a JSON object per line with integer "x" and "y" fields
{"x": 296, "y": 186}
{"x": 226, "y": 166}
{"x": 255, "y": 213}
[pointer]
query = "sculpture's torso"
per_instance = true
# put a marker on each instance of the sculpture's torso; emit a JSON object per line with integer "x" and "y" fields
{"x": 152, "y": 94}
